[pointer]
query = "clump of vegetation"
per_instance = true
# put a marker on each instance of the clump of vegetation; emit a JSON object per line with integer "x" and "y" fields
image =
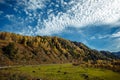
{"x": 15, "y": 76}
{"x": 85, "y": 76}
{"x": 10, "y": 50}
{"x": 104, "y": 64}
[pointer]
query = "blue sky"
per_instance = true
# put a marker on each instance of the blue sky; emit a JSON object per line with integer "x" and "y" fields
{"x": 96, "y": 23}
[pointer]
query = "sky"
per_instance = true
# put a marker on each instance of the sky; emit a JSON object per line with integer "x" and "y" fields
{"x": 95, "y": 23}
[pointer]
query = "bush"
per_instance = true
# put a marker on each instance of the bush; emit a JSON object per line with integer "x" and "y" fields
{"x": 10, "y": 50}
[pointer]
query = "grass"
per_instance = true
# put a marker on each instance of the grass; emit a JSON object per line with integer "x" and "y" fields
{"x": 59, "y": 72}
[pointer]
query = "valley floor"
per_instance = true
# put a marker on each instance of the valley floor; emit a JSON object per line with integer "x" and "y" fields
{"x": 57, "y": 72}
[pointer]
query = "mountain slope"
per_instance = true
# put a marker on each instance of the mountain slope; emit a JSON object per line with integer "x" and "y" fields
{"x": 117, "y": 54}
{"x": 17, "y": 49}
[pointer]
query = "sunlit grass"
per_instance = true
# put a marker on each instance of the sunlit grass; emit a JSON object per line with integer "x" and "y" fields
{"x": 64, "y": 72}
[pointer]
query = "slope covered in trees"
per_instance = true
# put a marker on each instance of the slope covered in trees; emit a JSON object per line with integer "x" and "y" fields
{"x": 23, "y": 50}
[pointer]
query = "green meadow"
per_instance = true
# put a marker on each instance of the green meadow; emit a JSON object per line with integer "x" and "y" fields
{"x": 57, "y": 72}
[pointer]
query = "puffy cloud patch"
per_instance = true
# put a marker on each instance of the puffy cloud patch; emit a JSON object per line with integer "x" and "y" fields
{"x": 77, "y": 13}
{"x": 116, "y": 34}
{"x": 47, "y": 17}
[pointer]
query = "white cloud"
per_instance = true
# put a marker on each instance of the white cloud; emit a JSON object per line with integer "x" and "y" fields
{"x": 89, "y": 12}
{"x": 116, "y": 34}
{"x": 93, "y": 37}
{"x": 2, "y": 1}
{"x": 114, "y": 45}
{"x": 10, "y": 17}
{"x": 35, "y": 4}
{"x": 79, "y": 13}
{"x": 103, "y": 36}
{"x": 108, "y": 36}
{"x": 1, "y": 12}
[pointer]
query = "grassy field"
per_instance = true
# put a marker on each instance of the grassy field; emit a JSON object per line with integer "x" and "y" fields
{"x": 57, "y": 72}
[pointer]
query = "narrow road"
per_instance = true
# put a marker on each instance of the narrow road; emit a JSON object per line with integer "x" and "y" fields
{"x": 3, "y": 67}
{"x": 6, "y": 67}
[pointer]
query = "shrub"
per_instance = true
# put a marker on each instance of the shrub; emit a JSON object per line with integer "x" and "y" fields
{"x": 10, "y": 50}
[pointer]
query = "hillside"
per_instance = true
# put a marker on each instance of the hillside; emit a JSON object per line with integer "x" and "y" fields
{"x": 117, "y": 54}
{"x": 27, "y": 50}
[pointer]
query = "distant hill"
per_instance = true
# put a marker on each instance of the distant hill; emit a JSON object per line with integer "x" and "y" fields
{"x": 16, "y": 49}
{"x": 109, "y": 54}
{"x": 117, "y": 54}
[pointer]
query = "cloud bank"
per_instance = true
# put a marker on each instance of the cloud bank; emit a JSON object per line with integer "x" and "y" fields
{"x": 53, "y": 16}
